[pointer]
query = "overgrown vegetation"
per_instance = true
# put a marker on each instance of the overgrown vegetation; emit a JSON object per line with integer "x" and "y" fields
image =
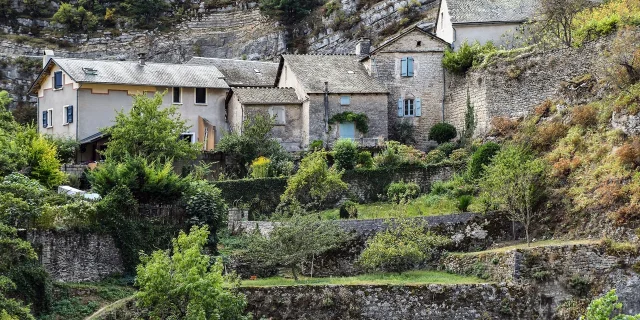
{"x": 466, "y": 57}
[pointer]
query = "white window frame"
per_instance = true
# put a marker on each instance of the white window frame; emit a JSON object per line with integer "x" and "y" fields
{"x": 410, "y": 108}
{"x": 173, "y": 95}
{"x": 49, "y": 118}
{"x": 275, "y": 111}
{"x": 64, "y": 114}
{"x": 195, "y": 96}
{"x": 345, "y": 97}
{"x": 192, "y": 134}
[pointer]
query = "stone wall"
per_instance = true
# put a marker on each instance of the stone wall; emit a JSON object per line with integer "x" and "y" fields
{"x": 76, "y": 257}
{"x": 73, "y": 169}
{"x": 513, "y": 87}
{"x": 481, "y": 301}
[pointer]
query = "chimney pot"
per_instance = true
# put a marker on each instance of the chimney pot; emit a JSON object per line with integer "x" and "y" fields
{"x": 48, "y": 54}
{"x": 363, "y": 47}
{"x": 142, "y": 58}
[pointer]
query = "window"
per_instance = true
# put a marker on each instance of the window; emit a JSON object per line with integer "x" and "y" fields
{"x": 67, "y": 114}
{"x": 201, "y": 95}
{"x": 189, "y": 137}
{"x": 345, "y": 100}
{"x": 278, "y": 114}
{"x": 441, "y": 20}
{"x": 419, "y": 43}
{"x": 407, "y": 67}
{"x": 57, "y": 80}
{"x": 47, "y": 118}
{"x": 408, "y": 107}
{"x": 177, "y": 95}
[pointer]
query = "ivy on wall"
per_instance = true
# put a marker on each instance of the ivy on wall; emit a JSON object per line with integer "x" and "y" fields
{"x": 360, "y": 119}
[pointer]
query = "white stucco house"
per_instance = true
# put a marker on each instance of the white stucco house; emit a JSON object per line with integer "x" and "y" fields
{"x": 482, "y": 20}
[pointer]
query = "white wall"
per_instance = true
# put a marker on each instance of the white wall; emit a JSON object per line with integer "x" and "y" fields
{"x": 444, "y": 29}
{"x": 48, "y": 98}
{"x": 497, "y": 33}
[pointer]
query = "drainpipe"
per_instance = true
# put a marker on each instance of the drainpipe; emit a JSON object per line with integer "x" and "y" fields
{"x": 326, "y": 107}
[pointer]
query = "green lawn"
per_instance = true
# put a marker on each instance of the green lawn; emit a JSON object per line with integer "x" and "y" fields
{"x": 407, "y": 278}
{"x": 544, "y": 243}
{"x": 426, "y": 205}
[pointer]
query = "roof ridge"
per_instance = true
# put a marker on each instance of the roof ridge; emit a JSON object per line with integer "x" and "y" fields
{"x": 230, "y": 59}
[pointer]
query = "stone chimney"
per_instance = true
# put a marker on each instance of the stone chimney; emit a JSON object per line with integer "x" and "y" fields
{"x": 142, "y": 58}
{"x": 363, "y": 47}
{"x": 48, "y": 54}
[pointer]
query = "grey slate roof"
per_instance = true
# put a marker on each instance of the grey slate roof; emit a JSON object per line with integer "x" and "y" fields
{"x": 470, "y": 11}
{"x": 267, "y": 95}
{"x": 344, "y": 73}
{"x": 151, "y": 74}
{"x": 242, "y": 72}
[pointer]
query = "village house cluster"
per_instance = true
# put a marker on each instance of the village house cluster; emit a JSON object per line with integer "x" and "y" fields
{"x": 402, "y": 79}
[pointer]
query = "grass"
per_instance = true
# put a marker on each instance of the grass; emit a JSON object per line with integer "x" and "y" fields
{"x": 407, "y": 278}
{"x": 79, "y": 300}
{"x": 545, "y": 243}
{"x": 426, "y": 205}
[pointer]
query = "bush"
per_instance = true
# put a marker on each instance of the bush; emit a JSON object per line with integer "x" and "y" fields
{"x": 349, "y": 210}
{"x": 403, "y": 132}
{"x": 629, "y": 153}
{"x": 66, "y": 148}
{"x": 205, "y": 207}
{"x": 316, "y": 145}
{"x": 442, "y": 132}
{"x": 467, "y": 56}
{"x": 503, "y": 126}
{"x": 547, "y": 134}
{"x": 584, "y": 115}
{"x": 480, "y": 158}
{"x": 447, "y": 148}
{"x": 79, "y": 214}
{"x": 402, "y": 191}
{"x": 464, "y": 202}
{"x": 606, "y": 307}
{"x": 459, "y": 155}
{"x": 434, "y": 157}
{"x": 345, "y": 154}
{"x": 260, "y": 168}
{"x": 365, "y": 160}
{"x": 395, "y": 154}
{"x": 403, "y": 246}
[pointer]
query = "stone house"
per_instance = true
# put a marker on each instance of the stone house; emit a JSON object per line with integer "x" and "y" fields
{"x": 281, "y": 104}
{"x": 410, "y": 66}
{"x": 330, "y": 86}
{"x": 77, "y": 98}
{"x": 482, "y": 20}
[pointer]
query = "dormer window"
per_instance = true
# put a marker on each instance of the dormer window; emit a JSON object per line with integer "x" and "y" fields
{"x": 256, "y": 70}
{"x": 90, "y": 71}
{"x": 57, "y": 80}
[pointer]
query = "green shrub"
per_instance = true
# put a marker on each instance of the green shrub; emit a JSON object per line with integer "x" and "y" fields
{"x": 402, "y": 191}
{"x": 459, "y": 155}
{"x": 464, "y": 202}
{"x": 403, "y": 132}
{"x": 607, "y": 307}
{"x": 480, "y": 158}
{"x": 467, "y": 56}
{"x": 78, "y": 214}
{"x": 345, "y": 154}
{"x": 66, "y": 148}
{"x": 403, "y": 246}
{"x": 620, "y": 248}
{"x": 442, "y": 132}
{"x": 205, "y": 207}
{"x": 316, "y": 145}
{"x": 360, "y": 120}
{"x": 365, "y": 160}
{"x": 349, "y": 210}
{"x": 396, "y": 154}
{"x": 579, "y": 285}
{"x": 434, "y": 157}
{"x": 260, "y": 168}
{"x": 447, "y": 148}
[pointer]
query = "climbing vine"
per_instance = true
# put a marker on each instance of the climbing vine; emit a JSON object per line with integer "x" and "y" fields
{"x": 360, "y": 119}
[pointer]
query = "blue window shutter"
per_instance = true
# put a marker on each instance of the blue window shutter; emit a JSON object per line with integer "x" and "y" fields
{"x": 418, "y": 107}
{"x": 69, "y": 114}
{"x": 410, "y": 67}
{"x": 403, "y": 72}
{"x": 400, "y": 107}
{"x": 44, "y": 119}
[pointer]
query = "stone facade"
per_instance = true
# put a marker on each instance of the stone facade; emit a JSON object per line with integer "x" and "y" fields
{"x": 435, "y": 302}
{"x": 514, "y": 87}
{"x": 76, "y": 257}
{"x": 427, "y": 83}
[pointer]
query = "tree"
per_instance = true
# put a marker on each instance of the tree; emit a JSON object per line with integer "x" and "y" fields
{"x": 313, "y": 184}
{"x": 345, "y": 154}
{"x": 288, "y": 12}
{"x": 149, "y": 131}
{"x": 75, "y": 18}
{"x": 442, "y": 132}
{"x": 25, "y": 114}
{"x": 205, "y": 207}
{"x": 146, "y": 12}
{"x": 623, "y": 57}
{"x": 469, "y": 122}
{"x": 185, "y": 283}
{"x": 607, "y": 308}
{"x": 295, "y": 241}
{"x": 517, "y": 181}
{"x": 66, "y": 148}
{"x": 14, "y": 252}
{"x": 559, "y": 18}
{"x": 402, "y": 246}
{"x": 254, "y": 140}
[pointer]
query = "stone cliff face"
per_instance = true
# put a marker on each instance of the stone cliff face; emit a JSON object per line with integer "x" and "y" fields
{"x": 238, "y": 31}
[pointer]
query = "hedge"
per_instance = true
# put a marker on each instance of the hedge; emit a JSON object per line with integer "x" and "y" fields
{"x": 262, "y": 195}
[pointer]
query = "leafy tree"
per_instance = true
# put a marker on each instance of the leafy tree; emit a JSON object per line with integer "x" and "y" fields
{"x": 313, "y": 184}
{"x": 288, "y": 12}
{"x": 402, "y": 246}
{"x": 66, "y": 148}
{"x": 295, "y": 241}
{"x": 7, "y": 123}
{"x": 146, "y": 12}
{"x": 516, "y": 180}
{"x": 481, "y": 158}
{"x": 559, "y": 18}
{"x": 25, "y": 114}
{"x": 403, "y": 132}
{"x": 75, "y": 18}
{"x": 254, "y": 140}
{"x": 185, "y": 283}
{"x": 149, "y": 131}
{"x": 442, "y": 132}
{"x": 607, "y": 308}
{"x": 345, "y": 154}
{"x": 205, "y": 207}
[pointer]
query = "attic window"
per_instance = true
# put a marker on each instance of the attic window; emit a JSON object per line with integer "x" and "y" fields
{"x": 256, "y": 70}
{"x": 350, "y": 72}
{"x": 419, "y": 43}
{"x": 90, "y": 71}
